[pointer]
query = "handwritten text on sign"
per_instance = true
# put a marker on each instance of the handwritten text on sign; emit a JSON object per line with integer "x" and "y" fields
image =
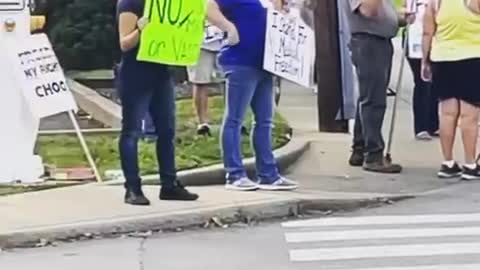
{"x": 175, "y": 33}
{"x": 289, "y": 48}
{"x": 40, "y": 76}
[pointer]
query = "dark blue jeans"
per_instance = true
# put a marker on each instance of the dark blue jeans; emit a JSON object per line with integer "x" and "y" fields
{"x": 140, "y": 96}
{"x": 248, "y": 86}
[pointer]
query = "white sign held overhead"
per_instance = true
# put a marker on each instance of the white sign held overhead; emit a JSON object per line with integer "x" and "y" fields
{"x": 39, "y": 76}
{"x": 415, "y": 31}
{"x": 289, "y": 48}
{"x": 412, "y": 6}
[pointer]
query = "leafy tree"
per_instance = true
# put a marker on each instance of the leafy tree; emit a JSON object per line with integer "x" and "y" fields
{"x": 83, "y": 32}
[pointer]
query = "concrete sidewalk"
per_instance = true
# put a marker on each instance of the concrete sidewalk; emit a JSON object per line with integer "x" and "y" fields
{"x": 97, "y": 209}
{"x": 327, "y": 183}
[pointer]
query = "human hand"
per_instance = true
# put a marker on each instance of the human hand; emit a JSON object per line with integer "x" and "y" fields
{"x": 427, "y": 73}
{"x": 405, "y": 17}
{"x": 233, "y": 38}
{"x": 410, "y": 18}
{"x": 142, "y": 23}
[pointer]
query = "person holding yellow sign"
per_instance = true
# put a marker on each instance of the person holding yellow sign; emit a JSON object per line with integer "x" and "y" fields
{"x": 145, "y": 88}
{"x": 248, "y": 83}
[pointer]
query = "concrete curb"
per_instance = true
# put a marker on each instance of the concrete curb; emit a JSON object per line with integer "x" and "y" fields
{"x": 99, "y": 107}
{"x": 215, "y": 174}
{"x": 258, "y": 211}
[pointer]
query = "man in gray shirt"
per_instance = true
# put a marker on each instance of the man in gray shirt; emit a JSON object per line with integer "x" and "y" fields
{"x": 373, "y": 23}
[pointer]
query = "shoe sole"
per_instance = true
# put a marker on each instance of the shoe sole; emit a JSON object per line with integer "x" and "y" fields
{"x": 137, "y": 204}
{"x": 424, "y": 139}
{"x": 355, "y": 164}
{"x": 381, "y": 172}
{"x": 467, "y": 177}
{"x": 443, "y": 175}
{"x": 180, "y": 200}
{"x": 277, "y": 188}
{"x": 235, "y": 188}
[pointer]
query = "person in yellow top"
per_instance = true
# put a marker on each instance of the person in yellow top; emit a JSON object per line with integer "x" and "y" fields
{"x": 451, "y": 60}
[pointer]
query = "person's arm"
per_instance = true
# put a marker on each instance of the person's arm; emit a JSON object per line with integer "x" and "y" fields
{"x": 405, "y": 18}
{"x": 474, "y": 5}
{"x": 216, "y": 17}
{"x": 429, "y": 30}
{"x": 128, "y": 30}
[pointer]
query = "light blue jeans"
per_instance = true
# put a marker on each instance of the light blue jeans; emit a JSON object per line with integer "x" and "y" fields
{"x": 248, "y": 86}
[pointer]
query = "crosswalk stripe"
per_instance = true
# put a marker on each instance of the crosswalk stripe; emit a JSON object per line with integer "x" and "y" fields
{"x": 379, "y": 234}
{"x": 431, "y": 267}
{"x": 383, "y": 220}
{"x": 371, "y": 252}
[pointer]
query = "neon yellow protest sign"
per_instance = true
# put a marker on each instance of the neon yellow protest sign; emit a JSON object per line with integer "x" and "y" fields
{"x": 175, "y": 33}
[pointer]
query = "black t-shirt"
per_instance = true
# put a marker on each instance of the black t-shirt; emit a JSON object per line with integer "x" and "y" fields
{"x": 129, "y": 58}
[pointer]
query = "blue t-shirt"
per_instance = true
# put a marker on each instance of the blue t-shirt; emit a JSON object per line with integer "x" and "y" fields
{"x": 130, "y": 64}
{"x": 250, "y": 18}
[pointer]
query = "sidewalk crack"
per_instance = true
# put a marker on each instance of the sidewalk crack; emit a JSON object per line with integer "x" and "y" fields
{"x": 141, "y": 253}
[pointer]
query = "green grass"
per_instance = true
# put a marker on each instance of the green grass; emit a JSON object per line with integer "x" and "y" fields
{"x": 15, "y": 189}
{"x": 398, "y": 3}
{"x": 192, "y": 151}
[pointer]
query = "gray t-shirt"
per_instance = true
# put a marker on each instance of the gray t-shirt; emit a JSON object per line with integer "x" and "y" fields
{"x": 384, "y": 25}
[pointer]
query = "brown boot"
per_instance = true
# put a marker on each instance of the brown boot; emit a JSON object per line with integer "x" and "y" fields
{"x": 381, "y": 166}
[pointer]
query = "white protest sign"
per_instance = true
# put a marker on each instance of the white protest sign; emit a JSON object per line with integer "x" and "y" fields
{"x": 415, "y": 31}
{"x": 289, "y": 48}
{"x": 39, "y": 76}
{"x": 212, "y": 34}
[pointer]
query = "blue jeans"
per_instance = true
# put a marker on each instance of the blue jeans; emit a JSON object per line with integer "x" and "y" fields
{"x": 254, "y": 87}
{"x": 140, "y": 96}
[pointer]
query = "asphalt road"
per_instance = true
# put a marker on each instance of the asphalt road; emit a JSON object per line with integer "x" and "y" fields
{"x": 437, "y": 232}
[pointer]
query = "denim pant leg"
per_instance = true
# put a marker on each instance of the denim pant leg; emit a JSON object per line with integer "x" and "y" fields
{"x": 373, "y": 59}
{"x": 425, "y": 106}
{"x": 135, "y": 97}
{"x": 148, "y": 126}
{"x": 263, "y": 109}
{"x": 358, "y": 142}
{"x": 162, "y": 110}
{"x": 241, "y": 85}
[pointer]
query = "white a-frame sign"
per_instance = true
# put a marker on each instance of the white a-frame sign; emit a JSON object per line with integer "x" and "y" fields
{"x": 39, "y": 89}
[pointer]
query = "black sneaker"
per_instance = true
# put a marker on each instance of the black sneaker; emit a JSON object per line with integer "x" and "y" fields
{"x": 356, "y": 159}
{"x": 446, "y": 172}
{"x": 204, "y": 130}
{"x": 137, "y": 197}
{"x": 177, "y": 193}
{"x": 471, "y": 174}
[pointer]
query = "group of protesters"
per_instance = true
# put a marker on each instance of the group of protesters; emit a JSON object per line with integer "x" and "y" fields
{"x": 146, "y": 88}
{"x": 444, "y": 56}
{"x": 443, "y": 49}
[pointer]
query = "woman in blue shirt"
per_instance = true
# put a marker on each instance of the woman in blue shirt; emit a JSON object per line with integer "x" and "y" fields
{"x": 145, "y": 88}
{"x": 248, "y": 83}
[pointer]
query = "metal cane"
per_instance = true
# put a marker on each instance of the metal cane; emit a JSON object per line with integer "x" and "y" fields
{"x": 388, "y": 155}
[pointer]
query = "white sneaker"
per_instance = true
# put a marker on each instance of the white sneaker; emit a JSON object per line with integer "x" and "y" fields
{"x": 282, "y": 184}
{"x": 423, "y": 136}
{"x": 242, "y": 184}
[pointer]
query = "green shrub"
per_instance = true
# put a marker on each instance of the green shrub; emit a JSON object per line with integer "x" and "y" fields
{"x": 83, "y": 32}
